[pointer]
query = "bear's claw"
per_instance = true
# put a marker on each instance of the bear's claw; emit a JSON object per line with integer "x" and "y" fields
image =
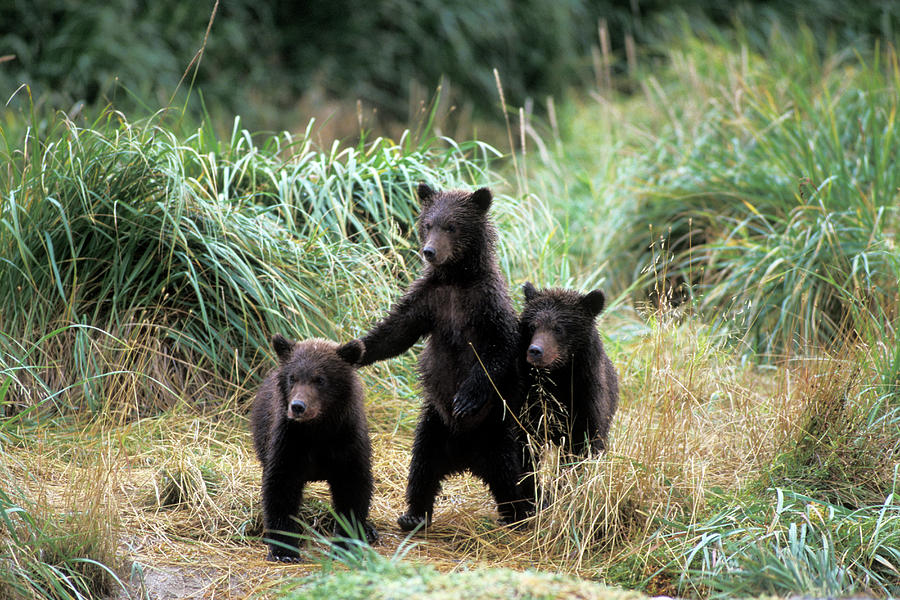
{"x": 371, "y": 533}
{"x": 283, "y": 558}
{"x": 466, "y": 405}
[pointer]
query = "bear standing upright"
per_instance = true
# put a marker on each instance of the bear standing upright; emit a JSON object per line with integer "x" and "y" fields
{"x": 309, "y": 424}
{"x": 571, "y": 389}
{"x": 468, "y": 374}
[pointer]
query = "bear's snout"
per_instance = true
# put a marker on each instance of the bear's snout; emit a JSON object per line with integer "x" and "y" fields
{"x": 543, "y": 352}
{"x": 304, "y": 404}
{"x": 298, "y": 407}
{"x": 437, "y": 248}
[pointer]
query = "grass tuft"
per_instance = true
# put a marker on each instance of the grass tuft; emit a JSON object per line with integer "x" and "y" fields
{"x": 64, "y": 544}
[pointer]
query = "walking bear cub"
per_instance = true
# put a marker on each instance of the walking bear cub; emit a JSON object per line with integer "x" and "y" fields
{"x": 309, "y": 424}
{"x": 461, "y": 304}
{"x": 571, "y": 390}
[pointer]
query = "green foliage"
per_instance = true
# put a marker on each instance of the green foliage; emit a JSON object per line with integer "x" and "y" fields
{"x": 88, "y": 51}
{"x": 801, "y": 210}
{"x": 177, "y": 259}
{"x": 70, "y": 52}
{"x": 799, "y": 545}
{"x": 135, "y": 54}
{"x": 382, "y": 46}
{"x": 754, "y": 176}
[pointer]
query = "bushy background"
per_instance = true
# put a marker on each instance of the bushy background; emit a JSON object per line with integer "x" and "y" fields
{"x": 261, "y": 58}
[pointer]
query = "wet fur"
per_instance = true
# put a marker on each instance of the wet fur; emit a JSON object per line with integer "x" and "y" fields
{"x": 329, "y": 443}
{"x": 461, "y": 305}
{"x": 572, "y": 398}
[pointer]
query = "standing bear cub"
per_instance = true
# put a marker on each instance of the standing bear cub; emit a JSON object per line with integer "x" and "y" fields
{"x": 461, "y": 304}
{"x": 309, "y": 424}
{"x": 571, "y": 390}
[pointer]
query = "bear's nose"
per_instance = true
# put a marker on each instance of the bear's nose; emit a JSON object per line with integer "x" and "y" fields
{"x": 298, "y": 407}
{"x": 535, "y": 351}
{"x": 429, "y": 253}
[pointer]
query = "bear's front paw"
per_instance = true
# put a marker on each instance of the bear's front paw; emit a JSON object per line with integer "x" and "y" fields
{"x": 408, "y": 522}
{"x": 352, "y": 352}
{"x": 465, "y": 405}
{"x": 283, "y": 555}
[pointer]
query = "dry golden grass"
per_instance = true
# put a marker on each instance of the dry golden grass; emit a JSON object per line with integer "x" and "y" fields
{"x": 182, "y": 489}
{"x": 689, "y": 419}
{"x": 55, "y": 510}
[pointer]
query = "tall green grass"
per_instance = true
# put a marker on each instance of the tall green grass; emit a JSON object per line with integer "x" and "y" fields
{"x": 126, "y": 250}
{"x": 796, "y": 544}
{"x": 788, "y": 186}
{"x": 754, "y": 175}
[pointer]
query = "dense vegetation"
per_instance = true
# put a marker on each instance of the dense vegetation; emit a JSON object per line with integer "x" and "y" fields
{"x": 734, "y": 192}
{"x": 391, "y": 55}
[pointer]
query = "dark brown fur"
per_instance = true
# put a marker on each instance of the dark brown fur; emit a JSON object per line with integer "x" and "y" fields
{"x": 322, "y": 438}
{"x": 571, "y": 389}
{"x": 461, "y": 305}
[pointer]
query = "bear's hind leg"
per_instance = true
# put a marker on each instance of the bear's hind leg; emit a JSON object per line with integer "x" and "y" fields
{"x": 512, "y": 486}
{"x": 429, "y": 465}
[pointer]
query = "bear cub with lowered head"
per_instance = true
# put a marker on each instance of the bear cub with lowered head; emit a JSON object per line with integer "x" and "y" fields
{"x": 461, "y": 304}
{"x": 571, "y": 390}
{"x": 309, "y": 424}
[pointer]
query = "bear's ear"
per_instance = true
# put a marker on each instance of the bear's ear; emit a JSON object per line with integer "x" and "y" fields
{"x": 594, "y": 302}
{"x": 282, "y": 346}
{"x": 424, "y": 192}
{"x": 482, "y": 198}
{"x": 351, "y": 352}
{"x": 529, "y": 290}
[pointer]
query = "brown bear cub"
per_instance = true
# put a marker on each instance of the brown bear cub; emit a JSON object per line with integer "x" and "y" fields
{"x": 309, "y": 424}
{"x": 461, "y": 304}
{"x": 571, "y": 389}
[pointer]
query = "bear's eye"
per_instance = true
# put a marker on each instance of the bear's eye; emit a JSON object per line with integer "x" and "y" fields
{"x": 451, "y": 229}
{"x": 427, "y": 226}
{"x": 557, "y": 329}
{"x": 318, "y": 380}
{"x": 291, "y": 380}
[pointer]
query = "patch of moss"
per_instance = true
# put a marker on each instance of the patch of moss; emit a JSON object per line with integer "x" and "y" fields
{"x": 388, "y": 580}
